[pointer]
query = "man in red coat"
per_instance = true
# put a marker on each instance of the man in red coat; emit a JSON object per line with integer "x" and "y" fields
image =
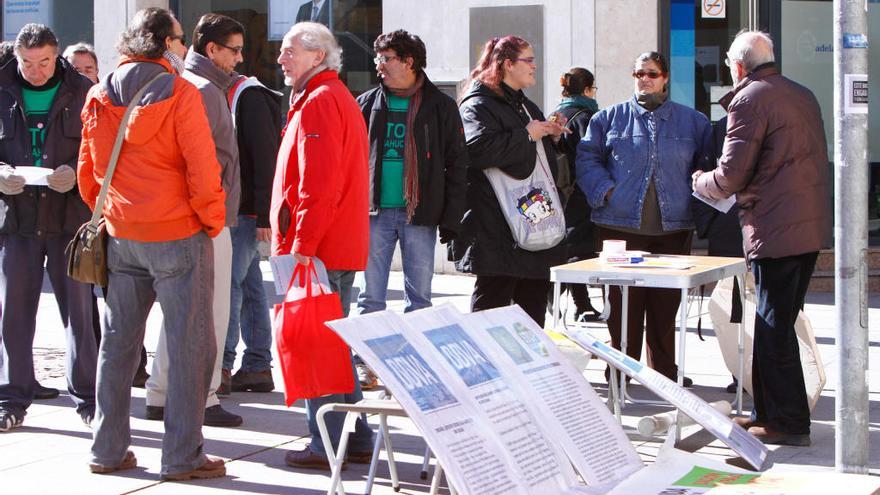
{"x": 320, "y": 198}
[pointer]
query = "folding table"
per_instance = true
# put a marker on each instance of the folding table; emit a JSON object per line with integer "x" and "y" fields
{"x": 704, "y": 270}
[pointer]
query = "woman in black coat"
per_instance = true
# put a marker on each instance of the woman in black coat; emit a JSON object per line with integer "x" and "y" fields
{"x": 577, "y": 106}
{"x": 503, "y": 129}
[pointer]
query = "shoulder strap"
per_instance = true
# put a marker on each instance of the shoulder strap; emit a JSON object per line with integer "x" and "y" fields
{"x": 569, "y": 121}
{"x": 117, "y": 146}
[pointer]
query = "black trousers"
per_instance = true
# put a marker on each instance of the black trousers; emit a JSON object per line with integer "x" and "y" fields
{"x": 499, "y": 291}
{"x": 777, "y": 376}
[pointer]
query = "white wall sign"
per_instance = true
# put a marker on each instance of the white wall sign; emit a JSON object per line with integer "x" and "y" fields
{"x": 17, "y": 13}
{"x": 855, "y": 93}
{"x": 714, "y": 9}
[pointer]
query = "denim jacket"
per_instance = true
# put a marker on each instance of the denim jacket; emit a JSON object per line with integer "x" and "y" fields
{"x": 625, "y": 145}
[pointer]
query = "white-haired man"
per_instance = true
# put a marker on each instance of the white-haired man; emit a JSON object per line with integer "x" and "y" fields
{"x": 320, "y": 200}
{"x": 775, "y": 161}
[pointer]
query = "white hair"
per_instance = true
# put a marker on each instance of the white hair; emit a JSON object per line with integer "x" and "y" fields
{"x": 316, "y": 37}
{"x": 80, "y": 47}
{"x": 752, "y": 48}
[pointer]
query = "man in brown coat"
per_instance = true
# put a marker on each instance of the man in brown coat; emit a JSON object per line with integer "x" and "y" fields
{"x": 775, "y": 161}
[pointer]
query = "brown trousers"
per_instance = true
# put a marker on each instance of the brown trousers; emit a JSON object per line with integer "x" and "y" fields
{"x": 651, "y": 311}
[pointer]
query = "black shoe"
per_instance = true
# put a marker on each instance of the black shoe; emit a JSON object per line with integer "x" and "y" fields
{"x": 140, "y": 378}
{"x": 217, "y": 416}
{"x": 87, "y": 417}
{"x": 10, "y": 420}
{"x": 44, "y": 393}
{"x": 155, "y": 413}
{"x": 253, "y": 381}
{"x": 686, "y": 382}
{"x": 731, "y": 389}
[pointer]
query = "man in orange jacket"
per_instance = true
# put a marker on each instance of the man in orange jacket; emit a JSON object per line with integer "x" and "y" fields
{"x": 164, "y": 206}
{"x": 320, "y": 197}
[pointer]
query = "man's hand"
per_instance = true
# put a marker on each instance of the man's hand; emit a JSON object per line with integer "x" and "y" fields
{"x": 10, "y": 184}
{"x": 62, "y": 179}
{"x": 696, "y": 175}
{"x": 302, "y": 259}
{"x": 264, "y": 234}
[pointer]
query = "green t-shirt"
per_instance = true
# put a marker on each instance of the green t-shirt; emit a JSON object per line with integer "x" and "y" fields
{"x": 37, "y": 103}
{"x": 391, "y": 188}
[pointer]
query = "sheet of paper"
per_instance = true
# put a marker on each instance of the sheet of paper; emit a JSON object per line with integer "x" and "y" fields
{"x": 34, "y": 176}
{"x": 578, "y": 418}
{"x": 512, "y": 416}
{"x": 738, "y": 439}
{"x": 282, "y": 271}
{"x": 723, "y": 205}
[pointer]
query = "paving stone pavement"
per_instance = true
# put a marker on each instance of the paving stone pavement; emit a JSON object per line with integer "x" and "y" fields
{"x": 49, "y": 453}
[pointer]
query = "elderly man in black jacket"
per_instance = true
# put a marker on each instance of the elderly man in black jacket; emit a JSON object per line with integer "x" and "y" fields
{"x": 40, "y": 100}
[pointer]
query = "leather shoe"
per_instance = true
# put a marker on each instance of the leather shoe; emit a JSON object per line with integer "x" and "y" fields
{"x": 307, "y": 459}
{"x": 770, "y": 437}
{"x": 359, "y": 457}
{"x": 44, "y": 393}
{"x": 212, "y": 468}
{"x": 128, "y": 462}
{"x": 140, "y": 378}
{"x": 253, "y": 381}
{"x": 225, "y": 388}
{"x": 155, "y": 413}
{"x": 217, "y": 416}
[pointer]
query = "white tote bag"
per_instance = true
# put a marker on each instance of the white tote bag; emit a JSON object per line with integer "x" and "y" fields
{"x": 531, "y": 206}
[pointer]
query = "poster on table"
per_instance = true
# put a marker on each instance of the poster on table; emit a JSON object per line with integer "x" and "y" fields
{"x": 580, "y": 421}
{"x": 738, "y": 439}
{"x": 464, "y": 439}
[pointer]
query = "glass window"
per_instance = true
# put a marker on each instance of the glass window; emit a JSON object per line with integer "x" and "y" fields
{"x": 71, "y": 20}
{"x": 356, "y": 23}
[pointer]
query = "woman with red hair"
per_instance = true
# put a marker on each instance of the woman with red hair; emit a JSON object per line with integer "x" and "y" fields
{"x": 504, "y": 130}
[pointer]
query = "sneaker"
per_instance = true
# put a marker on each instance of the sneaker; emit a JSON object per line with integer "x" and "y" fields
{"x": 155, "y": 413}
{"x": 253, "y": 381}
{"x": 225, "y": 388}
{"x": 87, "y": 417}
{"x": 128, "y": 462}
{"x": 770, "y": 437}
{"x": 308, "y": 459}
{"x": 9, "y": 420}
{"x": 212, "y": 468}
{"x": 368, "y": 379}
{"x": 44, "y": 393}
{"x": 217, "y": 416}
{"x": 140, "y": 378}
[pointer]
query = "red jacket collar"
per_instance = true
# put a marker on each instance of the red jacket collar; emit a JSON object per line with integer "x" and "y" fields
{"x": 316, "y": 80}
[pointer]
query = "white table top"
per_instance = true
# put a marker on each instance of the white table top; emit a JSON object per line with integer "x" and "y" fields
{"x": 706, "y": 269}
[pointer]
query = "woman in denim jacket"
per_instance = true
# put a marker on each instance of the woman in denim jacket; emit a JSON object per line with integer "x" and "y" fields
{"x": 634, "y": 165}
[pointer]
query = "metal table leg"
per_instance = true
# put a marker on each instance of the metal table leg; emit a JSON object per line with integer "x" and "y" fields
{"x": 335, "y": 459}
{"x": 557, "y": 290}
{"x": 741, "y": 347}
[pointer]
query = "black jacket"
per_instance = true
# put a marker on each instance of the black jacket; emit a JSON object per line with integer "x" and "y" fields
{"x": 258, "y": 129}
{"x": 495, "y": 130}
{"x": 441, "y": 151}
{"x": 40, "y": 210}
{"x": 580, "y": 233}
{"x": 721, "y": 229}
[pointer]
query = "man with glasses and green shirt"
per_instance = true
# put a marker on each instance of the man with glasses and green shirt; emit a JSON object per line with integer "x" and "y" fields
{"x": 216, "y": 50}
{"x": 417, "y": 172}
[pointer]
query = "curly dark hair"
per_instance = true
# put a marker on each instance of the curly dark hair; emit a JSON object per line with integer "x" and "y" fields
{"x": 145, "y": 36}
{"x": 404, "y": 45}
{"x": 657, "y": 58}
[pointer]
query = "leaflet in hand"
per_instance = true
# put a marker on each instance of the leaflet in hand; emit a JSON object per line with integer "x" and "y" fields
{"x": 722, "y": 205}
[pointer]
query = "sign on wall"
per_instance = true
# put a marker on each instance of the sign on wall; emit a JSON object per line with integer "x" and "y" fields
{"x": 17, "y": 13}
{"x": 714, "y": 9}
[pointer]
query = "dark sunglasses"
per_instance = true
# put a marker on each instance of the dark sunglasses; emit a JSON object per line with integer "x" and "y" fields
{"x": 650, "y": 74}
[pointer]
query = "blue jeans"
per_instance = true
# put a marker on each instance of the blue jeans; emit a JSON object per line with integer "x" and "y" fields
{"x": 362, "y": 438}
{"x": 179, "y": 274}
{"x": 417, "y": 244}
{"x": 248, "y": 308}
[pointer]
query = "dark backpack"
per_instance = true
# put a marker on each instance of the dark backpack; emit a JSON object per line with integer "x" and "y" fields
{"x": 564, "y": 180}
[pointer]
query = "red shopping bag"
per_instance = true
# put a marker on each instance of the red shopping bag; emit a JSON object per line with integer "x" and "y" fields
{"x": 314, "y": 360}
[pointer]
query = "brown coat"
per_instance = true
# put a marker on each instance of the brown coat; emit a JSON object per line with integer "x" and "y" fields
{"x": 775, "y": 160}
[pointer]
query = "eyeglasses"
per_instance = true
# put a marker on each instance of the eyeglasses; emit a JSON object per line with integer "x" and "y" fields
{"x": 235, "y": 49}
{"x": 181, "y": 37}
{"x": 729, "y": 62}
{"x": 650, "y": 74}
{"x": 528, "y": 60}
{"x": 384, "y": 59}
